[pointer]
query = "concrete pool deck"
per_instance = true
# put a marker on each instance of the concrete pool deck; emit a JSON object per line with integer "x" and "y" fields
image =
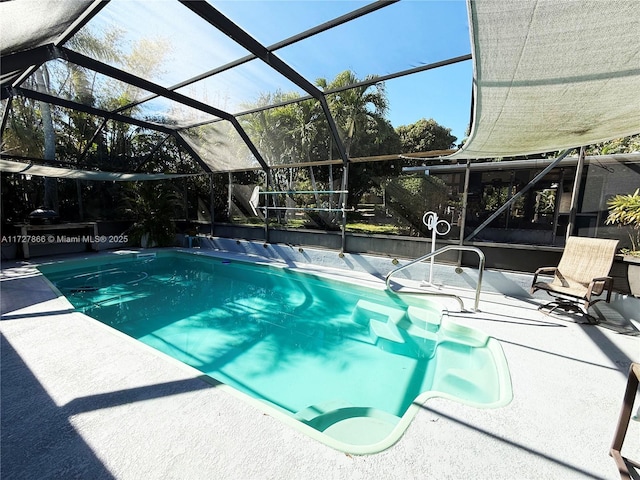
{"x": 80, "y": 400}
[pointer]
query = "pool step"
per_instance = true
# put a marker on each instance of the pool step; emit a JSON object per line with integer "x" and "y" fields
{"x": 382, "y": 320}
{"x": 428, "y": 320}
{"x": 411, "y": 332}
{"x": 421, "y": 323}
{"x": 384, "y": 331}
{"x": 365, "y": 311}
{"x": 456, "y": 333}
{"x": 313, "y": 411}
{"x": 355, "y": 425}
{"x": 348, "y": 423}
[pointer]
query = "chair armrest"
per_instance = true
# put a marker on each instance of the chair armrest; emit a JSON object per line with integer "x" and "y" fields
{"x": 542, "y": 270}
{"x": 546, "y": 270}
{"x": 607, "y": 283}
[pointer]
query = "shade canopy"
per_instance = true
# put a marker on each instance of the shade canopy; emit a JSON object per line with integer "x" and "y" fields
{"x": 551, "y": 75}
{"x": 9, "y": 166}
{"x": 196, "y": 79}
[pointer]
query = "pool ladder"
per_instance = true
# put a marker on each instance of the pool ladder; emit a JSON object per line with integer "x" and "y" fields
{"x": 439, "y": 294}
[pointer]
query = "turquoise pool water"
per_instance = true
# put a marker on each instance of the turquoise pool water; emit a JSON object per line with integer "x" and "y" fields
{"x": 345, "y": 363}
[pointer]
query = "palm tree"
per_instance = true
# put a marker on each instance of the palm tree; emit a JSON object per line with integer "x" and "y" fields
{"x": 358, "y": 111}
{"x": 50, "y": 184}
{"x": 625, "y": 210}
{"x": 297, "y": 130}
{"x": 153, "y": 207}
{"x": 354, "y": 109}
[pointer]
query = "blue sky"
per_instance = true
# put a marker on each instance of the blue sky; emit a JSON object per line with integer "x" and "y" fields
{"x": 404, "y": 35}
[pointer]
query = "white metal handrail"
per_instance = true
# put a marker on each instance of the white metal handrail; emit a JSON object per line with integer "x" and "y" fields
{"x": 300, "y": 192}
{"x": 433, "y": 254}
{"x": 311, "y": 209}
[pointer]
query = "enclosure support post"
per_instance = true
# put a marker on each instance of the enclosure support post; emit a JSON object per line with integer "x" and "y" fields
{"x": 229, "y": 195}
{"x": 211, "y": 201}
{"x": 575, "y": 193}
{"x": 345, "y": 197}
{"x": 556, "y": 207}
{"x": 268, "y": 184}
{"x": 463, "y": 214}
{"x": 80, "y": 206}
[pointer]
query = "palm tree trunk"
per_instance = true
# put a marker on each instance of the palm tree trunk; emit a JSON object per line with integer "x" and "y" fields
{"x": 50, "y": 184}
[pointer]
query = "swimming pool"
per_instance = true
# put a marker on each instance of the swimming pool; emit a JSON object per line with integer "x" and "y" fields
{"x": 347, "y": 364}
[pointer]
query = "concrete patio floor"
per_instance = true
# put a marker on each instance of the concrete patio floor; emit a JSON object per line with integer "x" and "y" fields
{"x": 80, "y": 400}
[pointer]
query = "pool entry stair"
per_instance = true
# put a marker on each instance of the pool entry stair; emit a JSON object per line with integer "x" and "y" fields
{"x": 446, "y": 353}
{"x": 411, "y": 331}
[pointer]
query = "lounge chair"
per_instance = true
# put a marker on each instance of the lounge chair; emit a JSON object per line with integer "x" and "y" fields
{"x": 583, "y": 272}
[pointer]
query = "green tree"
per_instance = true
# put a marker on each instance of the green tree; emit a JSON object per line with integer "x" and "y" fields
{"x": 410, "y": 196}
{"x": 84, "y": 141}
{"x": 425, "y": 135}
{"x": 618, "y": 145}
{"x": 298, "y": 132}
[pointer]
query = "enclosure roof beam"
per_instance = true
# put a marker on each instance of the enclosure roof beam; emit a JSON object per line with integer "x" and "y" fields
{"x": 403, "y": 73}
{"x": 103, "y": 68}
{"x": 44, "y": 97}
{"x": 247, "y": 140}
{"x": 81, "y": 21}
{"x": 242, "y": 38}
{"x": 347, "y": 17}
{"x": 61, "y": 102}
{"x": 125, "y": 77}
{"x": 373, "y": 81}
{"x": 150, "y": 155}
{"x": 14, "y": 67}
{"x": 92, "y": 139}
{"x": 24, "y": 59}
{"x": 371, "y": 7}
{"x": 233, "y": 31}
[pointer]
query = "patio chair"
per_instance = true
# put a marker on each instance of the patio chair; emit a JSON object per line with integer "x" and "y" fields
{"x": 583, "y": 272}
{"x": 625, "y": 465}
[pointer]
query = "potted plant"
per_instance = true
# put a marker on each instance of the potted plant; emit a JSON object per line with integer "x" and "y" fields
{"x": 624, "y": 210}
